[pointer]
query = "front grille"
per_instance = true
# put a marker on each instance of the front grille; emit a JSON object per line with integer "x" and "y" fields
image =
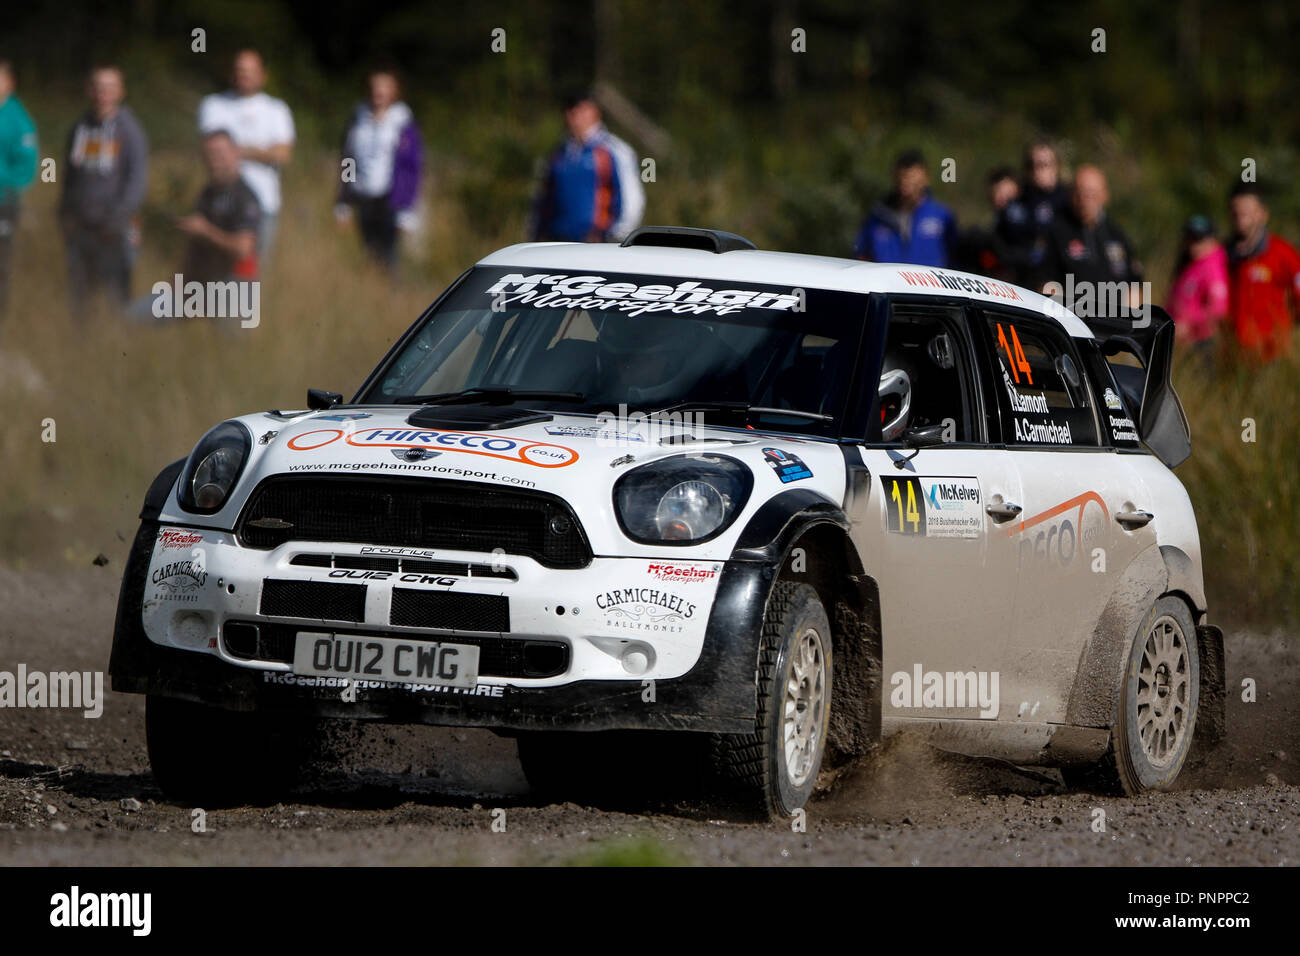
{"x": 313, "y": 600}
{"x": 498, "y": 656}
{"x": 415, "y": 513}
{"x": 449, "y": 610}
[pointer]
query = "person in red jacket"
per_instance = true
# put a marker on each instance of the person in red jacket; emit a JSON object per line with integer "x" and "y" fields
{"x": 1263, "y": 278}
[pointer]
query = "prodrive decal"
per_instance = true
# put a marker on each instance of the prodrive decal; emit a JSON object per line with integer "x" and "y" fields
{"x": 538, "y": 453}
{"x": 934, "y": 507}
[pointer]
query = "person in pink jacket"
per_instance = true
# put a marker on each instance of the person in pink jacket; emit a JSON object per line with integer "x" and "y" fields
{"x": 1198, "y": 300}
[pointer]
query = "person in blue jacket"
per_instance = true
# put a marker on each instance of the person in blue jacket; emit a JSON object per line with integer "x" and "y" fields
{"x": 910, "y": 225}
{"x": 590, "y": 190}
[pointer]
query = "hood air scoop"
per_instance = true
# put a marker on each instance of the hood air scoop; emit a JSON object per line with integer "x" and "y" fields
{"x": 478, "y": 418}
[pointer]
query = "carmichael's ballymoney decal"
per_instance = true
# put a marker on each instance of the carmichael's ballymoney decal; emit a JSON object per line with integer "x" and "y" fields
{"x": 645, "y": 609}
{"x": 538, "y": 453}
{"x": 179, "y": 581}
{"x": 688, "y": 297}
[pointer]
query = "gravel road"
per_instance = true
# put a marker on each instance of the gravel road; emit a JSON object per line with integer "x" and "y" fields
{"x": 78, "y": 791}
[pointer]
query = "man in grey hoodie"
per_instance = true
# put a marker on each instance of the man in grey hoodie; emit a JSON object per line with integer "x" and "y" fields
{"x": 104, "y": 178}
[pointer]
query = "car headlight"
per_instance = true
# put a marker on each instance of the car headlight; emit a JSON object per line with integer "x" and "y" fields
{"x": 214, "y": 467}
{"x": 685, "y": 499}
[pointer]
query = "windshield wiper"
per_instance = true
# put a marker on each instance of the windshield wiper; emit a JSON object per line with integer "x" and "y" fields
{"x": 744, "y": 408}
{"x": 490, "y": 394}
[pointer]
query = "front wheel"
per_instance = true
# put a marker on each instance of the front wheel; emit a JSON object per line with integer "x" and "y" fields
{"x": 774, "y": 770}
{"x": 1158, "y": 704}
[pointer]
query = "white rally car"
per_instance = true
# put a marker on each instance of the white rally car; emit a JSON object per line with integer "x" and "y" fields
{"x": 780, "y": 504}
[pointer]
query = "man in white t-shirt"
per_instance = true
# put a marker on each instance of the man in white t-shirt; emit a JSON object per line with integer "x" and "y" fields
{"x": 262, "y": 127}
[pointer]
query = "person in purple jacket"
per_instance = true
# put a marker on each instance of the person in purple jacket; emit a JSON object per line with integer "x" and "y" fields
{"x": 383, "y": 157}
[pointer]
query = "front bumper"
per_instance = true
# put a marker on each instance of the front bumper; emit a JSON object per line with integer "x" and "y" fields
{"x": 182, "y": 589}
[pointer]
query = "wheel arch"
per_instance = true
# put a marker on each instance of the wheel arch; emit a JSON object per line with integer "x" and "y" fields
{"x": 802, "y": 536}
{"x": 160, "y": 489}
{"x": 1157, "y": 572}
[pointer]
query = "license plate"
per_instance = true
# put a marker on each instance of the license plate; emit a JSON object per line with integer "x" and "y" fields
{"x": 383, "y": 658}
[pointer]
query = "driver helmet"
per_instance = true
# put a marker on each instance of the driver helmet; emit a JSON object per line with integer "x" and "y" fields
{"x": 895, "y": 391}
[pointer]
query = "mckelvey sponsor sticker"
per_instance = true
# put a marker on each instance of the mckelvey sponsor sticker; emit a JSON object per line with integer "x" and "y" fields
{"x": 953, "y": 507}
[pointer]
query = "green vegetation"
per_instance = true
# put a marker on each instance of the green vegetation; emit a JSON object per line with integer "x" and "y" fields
{"x": 629, "y": 851}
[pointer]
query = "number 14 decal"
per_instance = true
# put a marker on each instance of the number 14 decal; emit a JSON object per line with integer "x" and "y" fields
{"x": 1015, "y": 354}
{"x": 904, "y": 510}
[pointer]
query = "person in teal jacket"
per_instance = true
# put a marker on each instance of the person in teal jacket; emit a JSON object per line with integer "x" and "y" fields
{"x": 17, "y": 169}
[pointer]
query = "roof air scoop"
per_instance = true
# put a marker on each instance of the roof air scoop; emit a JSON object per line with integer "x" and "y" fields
{"x": 686, "y": 237}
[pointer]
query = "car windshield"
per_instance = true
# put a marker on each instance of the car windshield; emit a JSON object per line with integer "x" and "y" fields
{"x": 594, "y": 343}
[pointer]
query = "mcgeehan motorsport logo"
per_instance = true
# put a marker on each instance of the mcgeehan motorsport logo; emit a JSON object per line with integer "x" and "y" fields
{"x": 591, "y": 292}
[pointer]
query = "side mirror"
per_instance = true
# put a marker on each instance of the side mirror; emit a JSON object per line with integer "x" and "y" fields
{"x": 927, "y": 436}
{"x": 319, "y": 400}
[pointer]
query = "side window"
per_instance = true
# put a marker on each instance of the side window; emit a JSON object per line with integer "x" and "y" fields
{"x": 926, "y": 377}
{"x": 1116, "y": 405}
{"x": 1042, "y": 394}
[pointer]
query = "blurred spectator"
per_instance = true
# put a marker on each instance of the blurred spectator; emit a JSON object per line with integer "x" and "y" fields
{"x": 262, "y": 129}
{"x": 1003, "y": 188}
{"x": 910, "y": 225}
{"x": 17, "y": 169}
{"x": 384, "y": 143}
{"x": 104, "y": 177}
{"x": 1198, "y": 300}
{"x": 1263, "y": 278}
{"x": 983, "y": 249}
{"x": 591, "y": 189}
{"x": 1026, "y": 220}
{"x": 1083, "y": 242}
{"x": 223, "y": 227}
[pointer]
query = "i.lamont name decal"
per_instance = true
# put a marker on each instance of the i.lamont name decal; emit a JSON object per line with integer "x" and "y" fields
{"x": 539, "y": 453}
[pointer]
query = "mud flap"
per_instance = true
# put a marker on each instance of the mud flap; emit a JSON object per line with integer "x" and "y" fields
{"x": 1211, "y": 717}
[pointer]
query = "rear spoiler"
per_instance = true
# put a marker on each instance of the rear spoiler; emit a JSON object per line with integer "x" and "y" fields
{"x": 1162, "y": 423}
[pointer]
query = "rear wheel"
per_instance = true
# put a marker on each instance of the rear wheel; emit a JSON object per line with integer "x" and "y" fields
{"x": 214, "y": 757}
{"x": 773, "y": 771}
{"x": 1158, "y": 704}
